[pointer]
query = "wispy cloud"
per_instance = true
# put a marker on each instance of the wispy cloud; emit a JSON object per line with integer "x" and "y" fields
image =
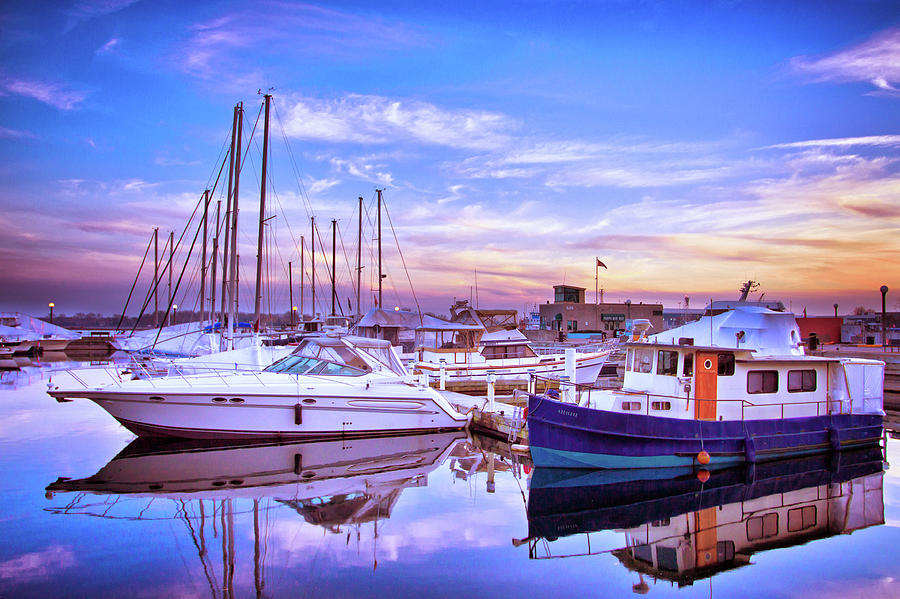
{"x": 53, "y": 94}
{"x": 85, "y": 10}
{"x": 15, "y": 134}
{"x": 109, "y": 46}
{"x": 876, "y": 61}
{"x": 370, "y": 119}
{"x": 289, "y": 29}
{"x": 843, "y": 142}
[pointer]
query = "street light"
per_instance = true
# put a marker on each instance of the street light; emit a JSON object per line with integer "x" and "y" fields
{"x": 884, "y": 290}
{"x": 293, "y": 315}
{"x": 174, "y": 313}
{"x": 51, "y": 305}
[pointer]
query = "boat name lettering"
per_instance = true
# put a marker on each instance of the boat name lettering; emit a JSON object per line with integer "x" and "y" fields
{"x": 571, "y": 413}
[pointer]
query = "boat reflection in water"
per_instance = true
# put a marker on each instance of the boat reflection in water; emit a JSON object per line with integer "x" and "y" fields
{"x": 332, "y": 484}
{"x": 683, "y": 527}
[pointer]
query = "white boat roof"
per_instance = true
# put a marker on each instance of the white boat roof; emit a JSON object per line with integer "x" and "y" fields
{"x": 754, "y": 328}
{"x": 504, "y": 337}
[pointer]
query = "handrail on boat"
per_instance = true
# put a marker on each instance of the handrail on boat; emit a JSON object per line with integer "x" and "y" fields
{"x": 822, "y": 405}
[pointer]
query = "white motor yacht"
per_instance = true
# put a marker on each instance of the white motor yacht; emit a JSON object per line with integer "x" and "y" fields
{"x": 328, "y": 386}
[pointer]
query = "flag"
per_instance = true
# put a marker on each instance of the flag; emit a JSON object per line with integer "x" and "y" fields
{"x": 600, "y": 263}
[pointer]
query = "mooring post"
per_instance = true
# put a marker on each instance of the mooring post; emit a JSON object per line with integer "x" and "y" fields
{"x": 491, "y": 379}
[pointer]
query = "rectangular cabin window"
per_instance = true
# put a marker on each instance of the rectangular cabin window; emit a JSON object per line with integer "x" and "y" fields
{"x": 801, "y": 380}
{"x": 724, "y": 551}
{"x": 661, "y": 405}
{"x": 688, "y": 368}
{"x": 762, "y": 381}
{"x": 667, "y": 558}
{"x": 631, "y": 406}
{"x": 762, "y": 527}
{"x": 726, "y": 364}
{"x": 667, "y": 362}
{"x": 643, "y": 360}
{"x": 643, "y": 553}
{"x": 801, "y": 518}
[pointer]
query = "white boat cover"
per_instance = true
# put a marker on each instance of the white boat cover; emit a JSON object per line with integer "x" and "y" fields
{"x": 767, "y": 332}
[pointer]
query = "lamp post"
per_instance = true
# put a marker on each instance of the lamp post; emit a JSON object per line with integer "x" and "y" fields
{"x": 174, "y": 313}
{"x": 835, "y": 310}
{"x": 293, "y": 315}
{"x": 51, "y": 305}
{"x": 884, "y": 290}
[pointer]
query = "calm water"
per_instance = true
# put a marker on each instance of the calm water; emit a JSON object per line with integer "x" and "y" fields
{"x": 430, "y": 516}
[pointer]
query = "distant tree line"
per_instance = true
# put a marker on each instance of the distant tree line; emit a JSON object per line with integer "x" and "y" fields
{"x": 94, "y": 320}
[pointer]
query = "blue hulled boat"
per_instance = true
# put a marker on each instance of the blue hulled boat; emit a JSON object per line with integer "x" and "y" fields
{"x": 731, "y": 388}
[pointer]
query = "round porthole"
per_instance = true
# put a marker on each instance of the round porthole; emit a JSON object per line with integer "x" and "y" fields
{"x": 309, "y": 401}
{"x": 708, "y": 364}
{"x": 308, "y": 474}
{"x": 219, "y": 399}
{"x": 236, "y": 400}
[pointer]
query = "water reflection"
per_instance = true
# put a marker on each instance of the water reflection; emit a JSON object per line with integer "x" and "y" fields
{"x": 687, "y": 526}
{"x": 336, "y": 485}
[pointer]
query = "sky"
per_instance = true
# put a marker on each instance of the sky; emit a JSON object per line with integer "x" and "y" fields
{"x": 690, "y": 146}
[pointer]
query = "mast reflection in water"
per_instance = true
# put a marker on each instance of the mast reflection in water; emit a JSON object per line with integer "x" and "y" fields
{"x": 335, "y": 484}
{"x": 688, "y": 526}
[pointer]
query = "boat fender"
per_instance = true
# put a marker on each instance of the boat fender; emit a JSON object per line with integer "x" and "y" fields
{"x": 703, "y": 475}
{"x": 749, "y": 449}
{"x": 703, "y": 457}
{"x": 298, "y": 414}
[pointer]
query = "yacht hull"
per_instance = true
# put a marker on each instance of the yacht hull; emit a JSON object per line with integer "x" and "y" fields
{"x": 292, "y": 412}
{"x": 564, "y": 435}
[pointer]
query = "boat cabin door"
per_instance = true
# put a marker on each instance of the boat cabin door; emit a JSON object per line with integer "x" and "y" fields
{"x": 706, "y": 376}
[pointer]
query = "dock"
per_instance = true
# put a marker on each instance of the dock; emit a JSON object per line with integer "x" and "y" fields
{"x": 506, "y": 421}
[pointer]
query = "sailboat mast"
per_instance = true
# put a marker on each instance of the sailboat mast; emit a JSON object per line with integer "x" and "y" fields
{"x": 262, "y": 217}
{"x": 312, "y": 282}
{"x": 291, "y": 292}
{"x": 171, "y": 268}
{"x": 380, "y": 276}
{"x": 233, "y": 296}
{"x": 156, "y": 277}
{"x": 203, "y": 257}
{"x": 302, "y": 275}
{"x": 226, "y": 253}
{"x": 333, "y": 256}
{"x": 359, "y": 259}
{"x": 212, "y": 285}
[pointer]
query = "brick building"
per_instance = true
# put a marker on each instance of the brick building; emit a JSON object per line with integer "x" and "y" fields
{"x": 569, "y": 313}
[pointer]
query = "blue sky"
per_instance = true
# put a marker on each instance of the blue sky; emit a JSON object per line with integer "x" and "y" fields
{"x": 689, "y": 145}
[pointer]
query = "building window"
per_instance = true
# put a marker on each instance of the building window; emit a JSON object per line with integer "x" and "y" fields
{"x": 726, "y": 364}
{"x": 801, "y": 380}
{"x": 801, "y": 518}
{"x": 762, "y": 381}
{"x": 661, "y": 405}
{"x": 571, "y": 325}
{"x": 762, "y": 527}
{"x": 667, "y": 362}
{"x": 688, "y": 369}
{"x": 643, "y": 360}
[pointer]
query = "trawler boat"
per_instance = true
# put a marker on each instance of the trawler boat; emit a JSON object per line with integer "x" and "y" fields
{"x": 681, "y": 527}
{"x": 730, "y": 388}
{"x": 328, "y": 386}
{"x": 465, "y": 353}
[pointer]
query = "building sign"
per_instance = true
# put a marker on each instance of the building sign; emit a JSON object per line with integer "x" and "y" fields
{"x": 612, "y": 317}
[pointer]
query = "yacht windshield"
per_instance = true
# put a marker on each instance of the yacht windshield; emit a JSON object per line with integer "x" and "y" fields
{"x": 295, "y": 364}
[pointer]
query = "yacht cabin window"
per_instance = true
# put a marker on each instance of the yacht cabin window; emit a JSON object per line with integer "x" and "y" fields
{"x": 762, "y": 527}
{"x": 726, "y": 364}
{"x": 688, "y": 368}
{"x": 667, "y": 362}
{"x": 499, "y": 352}
{"x": 643, "y": 360}
{"x": 801, "y": 380}
{"x": 762, "y": 381}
